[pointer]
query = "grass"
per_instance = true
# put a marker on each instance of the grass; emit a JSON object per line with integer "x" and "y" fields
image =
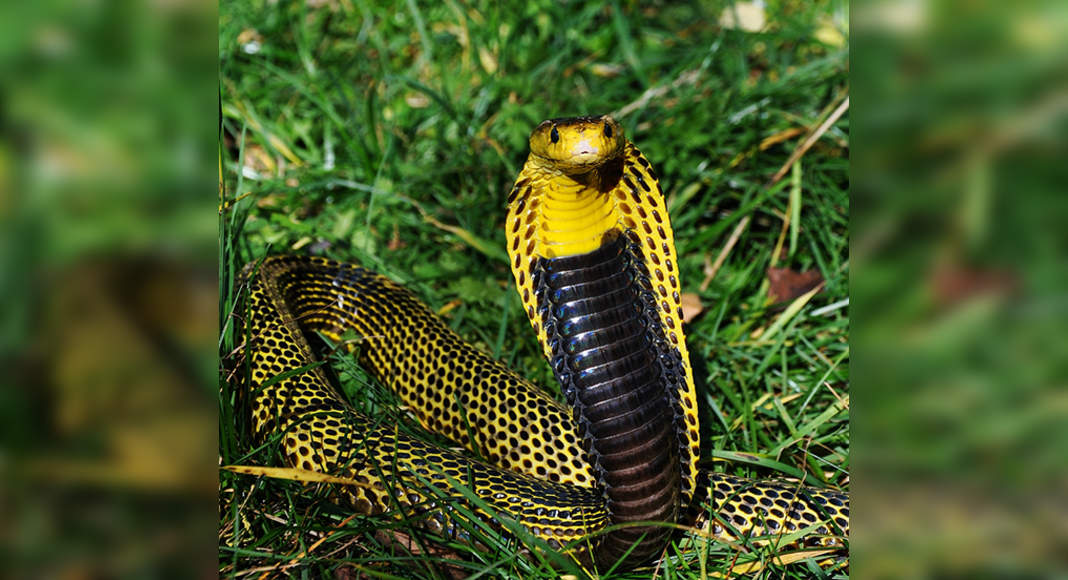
{"x": 390, "y": 135}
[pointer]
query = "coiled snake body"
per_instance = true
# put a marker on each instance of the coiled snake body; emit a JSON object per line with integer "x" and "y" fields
{"x": 593, "y": 256}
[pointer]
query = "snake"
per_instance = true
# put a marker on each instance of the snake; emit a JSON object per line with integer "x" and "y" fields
{"x": 608, "y": 476}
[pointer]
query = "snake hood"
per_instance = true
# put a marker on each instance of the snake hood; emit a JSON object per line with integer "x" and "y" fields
{"x": 593, "y": 257}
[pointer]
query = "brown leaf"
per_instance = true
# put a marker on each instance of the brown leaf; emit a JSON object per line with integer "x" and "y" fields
{"x": 271, "y": 200}
{"x": 249, "y": 35}
{"x": 259, "y": 160}
{"x": 395, "y": 242}
{"x": 691, "y": 306}
{"x": 785, "y": 284}
{"x": 346, "y": 573}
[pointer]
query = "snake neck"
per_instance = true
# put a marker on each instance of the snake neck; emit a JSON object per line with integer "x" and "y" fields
{"x": 572, "y": 213}
{"x": 594, "y": 260}
{"x": 610, "y": 357}
{"x": 555, "y": 215}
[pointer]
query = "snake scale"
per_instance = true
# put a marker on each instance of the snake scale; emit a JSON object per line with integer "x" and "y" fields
{"x": 593, "y": 257}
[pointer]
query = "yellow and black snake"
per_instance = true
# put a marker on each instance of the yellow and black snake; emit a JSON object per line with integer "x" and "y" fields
{"x": 593, "y": 256}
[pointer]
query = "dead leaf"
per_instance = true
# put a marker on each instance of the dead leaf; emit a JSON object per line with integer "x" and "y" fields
{"x": 691, "y": 306}
{"x": 747, "y": 16}
{"x": 779, "y": 137}
{"x": 271, "y": 200}
{"x": 395, "y": 242}
{"x": 487, "y": 59}
{"x": 417, "y": 100}
{"x": 346, "y": 573}
{"x": 259, "y": 161}
{"x": 249, "y": 35}
{"x": 785, "y": 284}
{"x": 607, "y": 70}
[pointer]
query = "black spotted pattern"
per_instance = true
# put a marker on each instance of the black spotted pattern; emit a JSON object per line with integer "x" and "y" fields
{"x": 541, "y": 476}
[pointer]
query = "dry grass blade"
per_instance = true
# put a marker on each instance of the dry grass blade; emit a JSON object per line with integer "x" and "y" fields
{"x": 811, "y": 140}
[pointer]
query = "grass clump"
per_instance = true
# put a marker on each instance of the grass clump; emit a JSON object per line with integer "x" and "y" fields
{"x": 391, "y": 135}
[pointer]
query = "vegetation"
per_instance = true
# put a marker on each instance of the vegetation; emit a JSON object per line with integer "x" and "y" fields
{"x": 391, "y": 134}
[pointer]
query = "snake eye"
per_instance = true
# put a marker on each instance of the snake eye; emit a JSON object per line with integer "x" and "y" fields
{"x": 607, "y": 130}
{"x": 555, "y": 135}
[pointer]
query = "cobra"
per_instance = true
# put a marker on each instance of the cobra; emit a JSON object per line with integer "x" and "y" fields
{"x": 593, "y": 256}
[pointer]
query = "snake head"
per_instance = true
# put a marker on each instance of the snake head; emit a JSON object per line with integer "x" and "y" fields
{"x": 577, "y": 144}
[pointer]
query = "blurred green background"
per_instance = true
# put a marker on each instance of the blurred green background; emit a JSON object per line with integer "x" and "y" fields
{"x": 109, "y": 114}
{"x": 107, "y": 270}
{"x": 960, "y": 261}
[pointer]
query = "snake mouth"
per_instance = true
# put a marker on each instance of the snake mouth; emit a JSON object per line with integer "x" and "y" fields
{"x": 582, "y": 161}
